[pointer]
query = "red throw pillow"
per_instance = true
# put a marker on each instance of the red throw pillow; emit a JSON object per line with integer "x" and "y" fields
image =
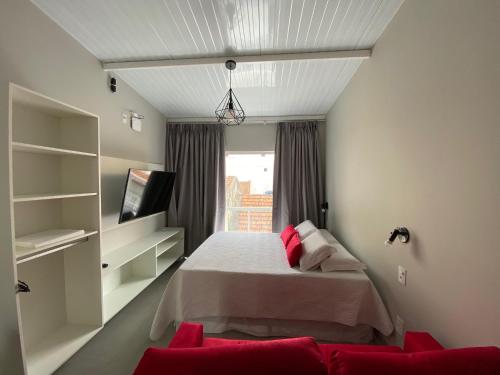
{"x": 299, "y": 356}
{"x": 287, "y": 234}
{"x": 294, "y": 250}
{"x": 467, "y": 361}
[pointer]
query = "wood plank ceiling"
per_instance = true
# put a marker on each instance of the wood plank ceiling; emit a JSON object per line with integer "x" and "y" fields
{"x": 129, "y": 30}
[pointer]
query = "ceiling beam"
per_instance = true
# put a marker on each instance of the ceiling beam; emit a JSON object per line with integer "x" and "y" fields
{"x": 248, "y": 59}
{"x": 251, "y": 119}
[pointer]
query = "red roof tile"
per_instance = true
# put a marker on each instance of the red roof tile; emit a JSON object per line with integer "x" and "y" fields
{"x": 256, "y": 200}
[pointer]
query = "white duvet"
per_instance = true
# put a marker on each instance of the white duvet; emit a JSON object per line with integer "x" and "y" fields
{"x": 246, "y": 275}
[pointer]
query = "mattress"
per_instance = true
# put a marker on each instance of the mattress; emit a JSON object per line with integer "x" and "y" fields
{"x": 246, "y": 275}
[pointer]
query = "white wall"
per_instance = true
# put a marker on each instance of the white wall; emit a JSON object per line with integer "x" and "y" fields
{"x": 251, "y": 137}
{"x": 262, "y": 137}
{"x": 37, "y": 54}
{"x": 258, "y": 137}
{"x": 415, "y": 140}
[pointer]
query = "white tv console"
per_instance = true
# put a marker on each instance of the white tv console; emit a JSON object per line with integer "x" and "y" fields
{"x": 132, "y": 266}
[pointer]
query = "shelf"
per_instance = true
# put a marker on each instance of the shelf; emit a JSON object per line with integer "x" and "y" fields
{"x": 122, "y": 255}
{"x": 27, "y": 147}
{"x": 42, "y": 197}
{"x": 167, "y": 259}
{"x": 165, "y": 246}
{"x": 27, "y": 254}
{"x": 51, "y": 352}
{"x": 43, "y": 103}
{"x": 119, "y": 297}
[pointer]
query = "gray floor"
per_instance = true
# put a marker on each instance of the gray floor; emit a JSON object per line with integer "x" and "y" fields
{"x": 117, "y": 348}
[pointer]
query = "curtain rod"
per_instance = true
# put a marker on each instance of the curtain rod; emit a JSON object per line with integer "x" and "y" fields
{"x": 251, "y": 120}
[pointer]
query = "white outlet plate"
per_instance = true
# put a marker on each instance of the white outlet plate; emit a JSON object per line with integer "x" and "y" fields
{"x": 402, "y": 275}
{"x": 399, "y": 325}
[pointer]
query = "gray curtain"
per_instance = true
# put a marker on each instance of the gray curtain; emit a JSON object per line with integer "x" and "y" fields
{"x": 196, "y": 153}
{"x": 298, "y": 184}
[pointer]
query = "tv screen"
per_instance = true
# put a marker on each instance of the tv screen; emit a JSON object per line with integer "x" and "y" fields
{"x": 146, "y": 193}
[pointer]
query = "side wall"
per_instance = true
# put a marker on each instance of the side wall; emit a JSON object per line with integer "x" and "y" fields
{"x": 414, "y": 140}
{"x": 37, "y": 54}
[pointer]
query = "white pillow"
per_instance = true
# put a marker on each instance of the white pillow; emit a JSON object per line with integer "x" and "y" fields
{"x": 305, "y": 229}
{"x": 315, "y": 249}
{"x": 341, "y": 260}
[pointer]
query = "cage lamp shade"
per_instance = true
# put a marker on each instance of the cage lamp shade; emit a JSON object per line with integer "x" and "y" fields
{"x": 229, "y": 110}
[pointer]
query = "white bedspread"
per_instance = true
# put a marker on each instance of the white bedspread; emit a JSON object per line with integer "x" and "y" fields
{"x": 246, "y": 275}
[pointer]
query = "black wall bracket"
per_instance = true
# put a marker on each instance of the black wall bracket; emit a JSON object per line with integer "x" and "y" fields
{"x": 399, "y": 232}
{"x": 22, "y": 287}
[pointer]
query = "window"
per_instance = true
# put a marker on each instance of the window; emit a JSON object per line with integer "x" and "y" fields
{"x": 249, "y": 191}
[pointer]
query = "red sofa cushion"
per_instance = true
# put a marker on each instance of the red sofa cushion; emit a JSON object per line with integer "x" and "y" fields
{"x": 298, "y": 356}
{"x": 325, "y": 349}
{"x": 468, "y": 361}
{"x": 287, "y": 234}
{"x": 294, "y": 250}
{"x": 328, "y": 349}
{"x": 420, "y": 342}
{"x": 212, "y": 341}
{"x": 188, "y": 335}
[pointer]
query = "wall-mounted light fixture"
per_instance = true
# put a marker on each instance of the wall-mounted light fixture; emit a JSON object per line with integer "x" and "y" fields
{"x": 136, "y": 121}
{"x": 399, "y": 232}
{"x": 324, "y": 208}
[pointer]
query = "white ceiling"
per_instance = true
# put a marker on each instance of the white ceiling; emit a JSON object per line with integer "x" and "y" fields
{"x": 124, "y": 30}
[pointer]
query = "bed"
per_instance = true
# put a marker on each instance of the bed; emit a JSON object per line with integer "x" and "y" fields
{"x": 242, "y": 281}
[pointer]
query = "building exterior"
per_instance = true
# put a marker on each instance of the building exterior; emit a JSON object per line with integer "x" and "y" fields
{"x": 246, "y": 212}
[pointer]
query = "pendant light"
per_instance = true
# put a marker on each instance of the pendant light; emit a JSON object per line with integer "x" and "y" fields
{"x": 229, "y": 110}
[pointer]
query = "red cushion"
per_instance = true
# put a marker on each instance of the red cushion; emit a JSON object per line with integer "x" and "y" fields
{"x": 420, "y": 342}
{"x": 325, "y": 349}
{"x": 468, "y": 361}
{"x": 299, "y": 356}
{"x": 213, "y": 341}
{"x": 189, "y": 335}
{"x": 287, "y": 234}
{"x": 294, "y": 250}
{"x": 328, "y": 349}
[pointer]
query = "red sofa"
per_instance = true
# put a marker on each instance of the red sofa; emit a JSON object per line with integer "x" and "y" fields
{"x": 190, "y": 353}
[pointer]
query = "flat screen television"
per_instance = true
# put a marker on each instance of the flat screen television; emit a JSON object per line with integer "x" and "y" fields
{"x": 146, "y": 193}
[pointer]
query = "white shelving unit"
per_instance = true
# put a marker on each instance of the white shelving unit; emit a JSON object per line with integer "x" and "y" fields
{"x": 131, "y": 267}
{"x": 54, "y": 184}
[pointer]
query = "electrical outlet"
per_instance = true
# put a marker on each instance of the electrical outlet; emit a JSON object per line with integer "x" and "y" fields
{"x": 400, "y": 325}
{"x": 402, "y": 275}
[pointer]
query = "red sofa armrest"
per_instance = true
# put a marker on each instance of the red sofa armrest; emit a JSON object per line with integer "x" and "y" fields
{"x": 420, "y": 342}
{"x": 189, "y": 335}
